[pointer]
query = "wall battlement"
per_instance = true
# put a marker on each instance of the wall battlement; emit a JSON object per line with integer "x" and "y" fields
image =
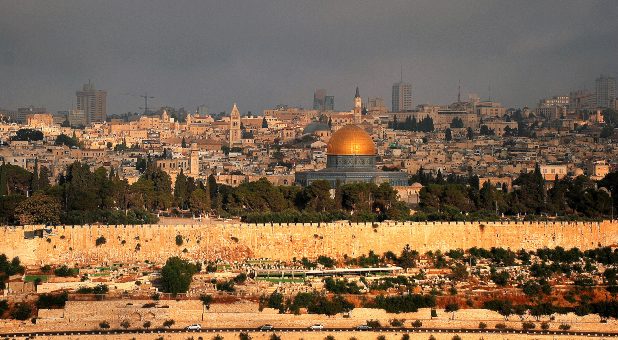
{"x": 38, "y": 245}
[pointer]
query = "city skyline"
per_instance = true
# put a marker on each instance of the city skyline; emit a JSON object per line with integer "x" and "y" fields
{"x": 210, "y": 53}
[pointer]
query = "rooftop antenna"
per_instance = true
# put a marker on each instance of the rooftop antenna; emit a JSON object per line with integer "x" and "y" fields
{"x": 401, "y": 74}
{"x": 489, "y": 88}
{"x": 145, "y": 96}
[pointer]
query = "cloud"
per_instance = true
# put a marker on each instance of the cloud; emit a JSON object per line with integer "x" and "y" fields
{"x": 260, "y": 54}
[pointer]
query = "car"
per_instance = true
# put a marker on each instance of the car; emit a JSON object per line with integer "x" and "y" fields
{"x": 316, "y": 327}
{"x": 363, "y": 327}
{"x": 267, "y": 327}
{"x": 195, "y": 327}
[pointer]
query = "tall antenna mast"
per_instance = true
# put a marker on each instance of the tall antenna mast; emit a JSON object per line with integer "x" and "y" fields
{"x": 145, "y": 96}
{"x": 401, "y": 74}
{"x": 489, "y": 88}
{"x": 459, "y": 92}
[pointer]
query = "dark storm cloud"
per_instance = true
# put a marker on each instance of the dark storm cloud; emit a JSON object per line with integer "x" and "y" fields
{"x": 262, "y": 53}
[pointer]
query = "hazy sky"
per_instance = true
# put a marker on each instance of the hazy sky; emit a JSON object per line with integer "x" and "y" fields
{"x": 263, "y": 53}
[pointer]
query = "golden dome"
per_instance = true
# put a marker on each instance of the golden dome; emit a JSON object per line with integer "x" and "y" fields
{"x": 351, "y": 140}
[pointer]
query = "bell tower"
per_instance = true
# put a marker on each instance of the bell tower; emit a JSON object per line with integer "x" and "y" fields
{"x": 234, "y": 126}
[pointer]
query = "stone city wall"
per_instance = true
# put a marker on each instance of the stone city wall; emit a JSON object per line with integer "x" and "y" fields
{"x": 237, "y": 241}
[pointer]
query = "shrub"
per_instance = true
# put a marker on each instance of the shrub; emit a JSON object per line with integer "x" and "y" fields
{"x": 98, "y": 289}
{"x": 397, "y": 322}
{"x": 4, "y": 305}
{"x": 48, "y": 301}
{"x": 456, "y": 337}
{"x": 100, "y": 241}
{"x": 179, "y": 240}
{"x": 374, "y": 323}
{"x": 405, "y": 303}
{"x": 21, "y": 311}
{"x": 240, "y": 278}
{"x": 125, "y": 324}
{"x": 405, "y": 337}
{"x": 65, "y": 271}
{"x": 147, "y": 324}
{"x": 329, "y": 337}
{"x": 381, "y": 337}
{"x": 104, "y": 325}
{"x": 564, "y": 327}
{"x": 168, "y": 323}
{"x": 155, "y": 296}
{"x": 544, "y": 326}
{"x": 482, "y": 325}
{"x": 500, "y": 326}
{"x": 244, "y": 336}
{"x": 527, "y": 325}
{"x": 434, "y": 313}
{"x": 206, "y": 300}
{"x": 417, "y": 324}
{"x": 226, "y": 286}
{"x": 217, "y": 337}
{"x": 274, "y": 337}
{"x": 451, "y": 307}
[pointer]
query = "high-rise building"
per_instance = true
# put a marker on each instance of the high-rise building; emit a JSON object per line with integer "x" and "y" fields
{"x": 554, "y": 107}
{"x": 235, "y": 133}
{"x": 22, "y": 113}
{"x": 318, "y": 99}
{"x": 376, "y": 106}
{"x": 93, "y": 103}
{"x": 402, "y": 97}
{"x": 202, "y": 110}
{"x": 77, "y": 118}
{"x": 329, "y": 103}
{"x": 605, "y": 91}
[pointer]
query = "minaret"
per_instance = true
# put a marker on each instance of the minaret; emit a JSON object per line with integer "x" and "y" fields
{"x": 234, "y": 126}
{"x": 194, "y": 160}
{"x": 358, "y": 106}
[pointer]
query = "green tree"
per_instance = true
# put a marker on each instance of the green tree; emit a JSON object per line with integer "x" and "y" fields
{"x": 155, "y": 189}
{"x": 28, "y": 135}
{"x": 181, "y": 190}
{"x": 177, "y": 274}
{"x": 470, "y": 134}
{"x": 448, "y": 135}
{"x": 63, "y": 139}
{"x": 199, "y": 202}
{"x": 38, "y": 209}
{"x": 21, "y": 311}
{"x": 408, "y": 257}
{"x": 457, "y": 123}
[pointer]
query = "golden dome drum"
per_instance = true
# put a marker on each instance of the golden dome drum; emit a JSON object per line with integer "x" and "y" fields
{"x": 351, "y": 140}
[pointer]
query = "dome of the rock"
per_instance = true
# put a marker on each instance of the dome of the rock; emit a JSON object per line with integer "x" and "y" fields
{"x": 351, "y": 140}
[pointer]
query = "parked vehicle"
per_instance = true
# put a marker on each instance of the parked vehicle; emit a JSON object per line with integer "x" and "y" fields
{"x": 267, "y": 327}
{"x": 363, "y": 327}
{"x": 316, "y": 327}
{"x": 194, "y": 327}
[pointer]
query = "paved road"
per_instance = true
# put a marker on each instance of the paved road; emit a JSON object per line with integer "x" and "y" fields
{"x": 325, "y": 330}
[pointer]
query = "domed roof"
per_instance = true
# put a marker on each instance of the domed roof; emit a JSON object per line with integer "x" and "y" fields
{"x": 316, "y": 126}
{"x": 351, "y": 140}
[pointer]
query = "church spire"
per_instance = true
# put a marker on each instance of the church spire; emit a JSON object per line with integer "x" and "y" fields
{"x": 357, "y": 93}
